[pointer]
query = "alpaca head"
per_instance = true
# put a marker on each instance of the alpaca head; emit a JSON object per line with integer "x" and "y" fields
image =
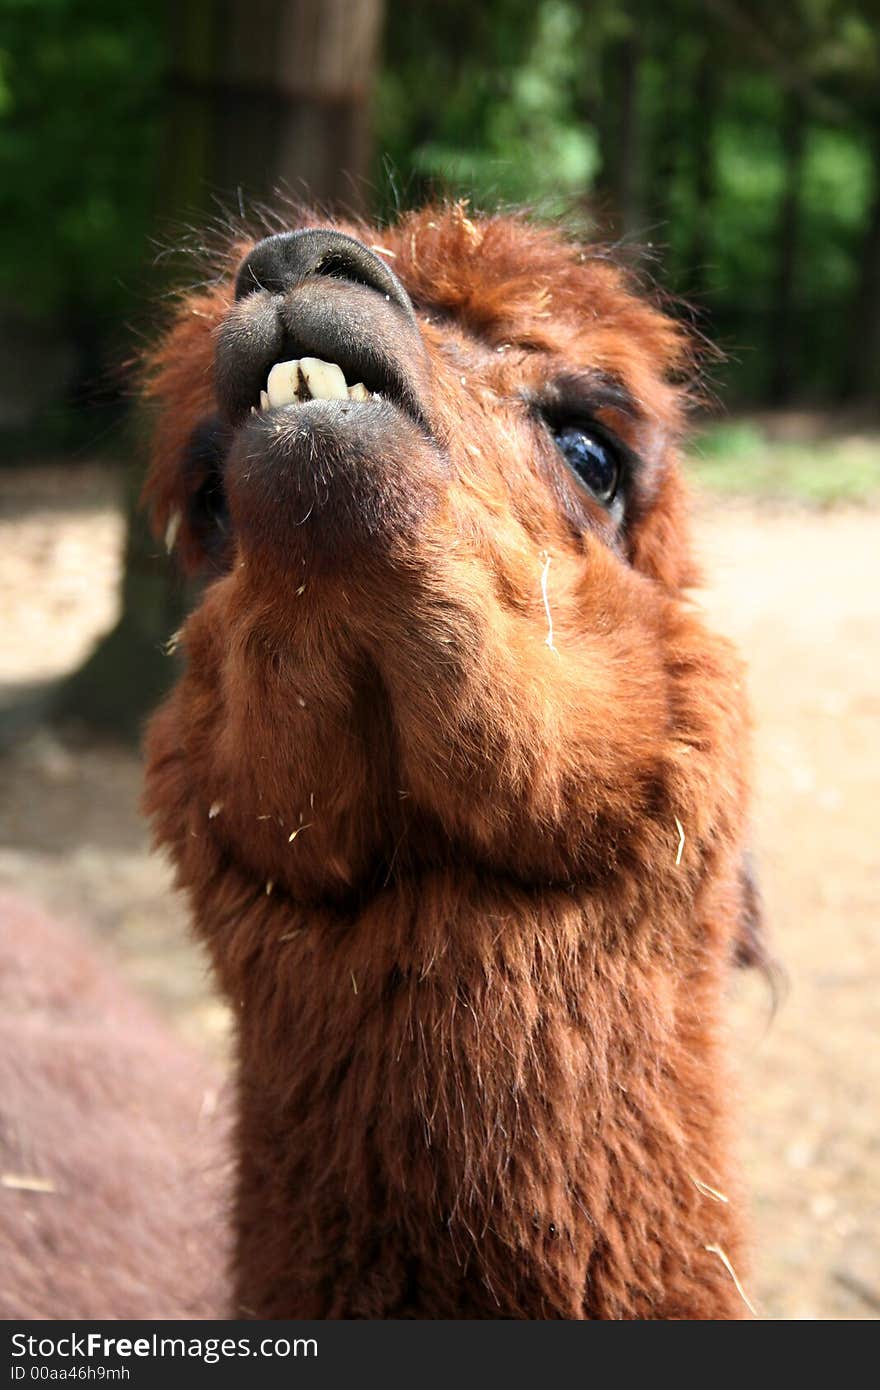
{"x": 431, "y": 472}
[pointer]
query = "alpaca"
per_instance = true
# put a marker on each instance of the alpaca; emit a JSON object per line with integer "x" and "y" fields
{"x": 111, "y": 1180}
{"x": 454, "y": 776}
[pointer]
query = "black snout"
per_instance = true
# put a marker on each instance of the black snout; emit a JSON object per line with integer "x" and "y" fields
{"x": 281, "y": 262}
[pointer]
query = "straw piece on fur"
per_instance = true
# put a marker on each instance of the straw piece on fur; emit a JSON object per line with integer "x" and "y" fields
{"x": 716, "y": 1250}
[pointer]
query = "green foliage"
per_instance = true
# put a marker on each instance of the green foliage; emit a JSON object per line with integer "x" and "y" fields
{"x": 523, "y": 103}
{"x": 516, "y": 101}
{"x": 738, "y": 457}
{"x": 79, "y": 113}
{"x": 506, "y": 127}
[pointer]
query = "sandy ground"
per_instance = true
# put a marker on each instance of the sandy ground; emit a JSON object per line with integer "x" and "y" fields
{"x": 799, "y": 592}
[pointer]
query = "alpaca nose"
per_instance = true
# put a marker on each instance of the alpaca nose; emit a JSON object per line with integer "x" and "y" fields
{"x": 281, "y": 262}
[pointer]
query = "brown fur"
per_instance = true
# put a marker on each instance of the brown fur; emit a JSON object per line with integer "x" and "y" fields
{"x": 99, "y": 1102}
{"x": 437, "y": 861}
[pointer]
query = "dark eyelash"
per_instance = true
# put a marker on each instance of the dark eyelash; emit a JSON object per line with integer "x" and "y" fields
{"x": 582, "y": 395}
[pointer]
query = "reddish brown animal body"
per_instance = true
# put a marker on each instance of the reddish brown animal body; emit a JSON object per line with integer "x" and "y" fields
{"x": 112, "y": 1168}
{"x": 453, "y": 777}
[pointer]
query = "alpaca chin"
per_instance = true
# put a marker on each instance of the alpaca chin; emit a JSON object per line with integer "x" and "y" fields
{"x": 326, "y": 486}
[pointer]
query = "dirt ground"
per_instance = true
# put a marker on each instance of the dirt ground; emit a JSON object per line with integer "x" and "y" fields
{"x": 800, "y": 592}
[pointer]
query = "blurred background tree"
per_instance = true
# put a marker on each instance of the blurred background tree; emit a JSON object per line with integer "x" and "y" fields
{"x": 734, "y": 141}
{"x": 729, "y": 148}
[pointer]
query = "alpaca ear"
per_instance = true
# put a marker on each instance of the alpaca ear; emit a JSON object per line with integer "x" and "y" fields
{"x": 187, "y": 499}
{"x": 184, "y": 491}
{"x": 750, "y": 945}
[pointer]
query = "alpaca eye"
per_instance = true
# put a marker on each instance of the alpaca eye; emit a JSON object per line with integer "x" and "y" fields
{"x": 595, "y": 462}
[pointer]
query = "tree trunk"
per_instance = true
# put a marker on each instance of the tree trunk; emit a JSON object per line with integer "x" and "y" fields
{"x": 706, "y": 92}
{"x": 620, "y": 175}
{"x": 262, "y": 93}
{"x": 783, "y": 327}
{"x": 294, "y": 80}
{"x": 129, "y": 670}
{"x": 863, "y": 384}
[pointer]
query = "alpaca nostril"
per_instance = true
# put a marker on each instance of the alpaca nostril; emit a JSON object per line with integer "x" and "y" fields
{"x": 283, "y": 261}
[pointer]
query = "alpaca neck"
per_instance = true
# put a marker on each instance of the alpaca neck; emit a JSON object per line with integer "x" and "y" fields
{"x": 473, "y": 1075}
